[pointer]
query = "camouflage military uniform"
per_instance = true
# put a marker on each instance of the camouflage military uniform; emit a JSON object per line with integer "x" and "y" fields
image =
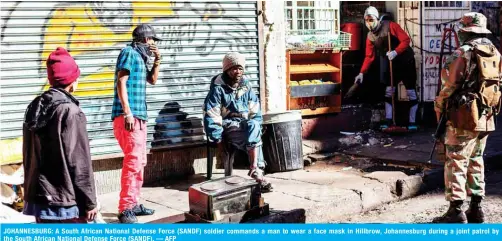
{"x": 464, "y": 168}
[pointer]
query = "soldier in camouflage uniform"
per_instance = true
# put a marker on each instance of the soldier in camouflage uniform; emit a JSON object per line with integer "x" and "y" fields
{"x": 464, "y": 168}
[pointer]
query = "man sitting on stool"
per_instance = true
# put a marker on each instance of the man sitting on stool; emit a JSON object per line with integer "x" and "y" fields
{"x": 232, "y": 112}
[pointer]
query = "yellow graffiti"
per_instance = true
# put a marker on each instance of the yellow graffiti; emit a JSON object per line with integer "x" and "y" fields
{"x": 79, "y": 29}
{"x": 11, "y": 151}
{"x": 96, "y": 84}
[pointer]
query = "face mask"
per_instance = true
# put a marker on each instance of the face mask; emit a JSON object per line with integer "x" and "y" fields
{"x": 143, "y": 49}
{"x": 371, "y": 25}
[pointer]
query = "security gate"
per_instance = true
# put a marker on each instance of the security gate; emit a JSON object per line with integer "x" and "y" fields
{"x": 196, "y": 36}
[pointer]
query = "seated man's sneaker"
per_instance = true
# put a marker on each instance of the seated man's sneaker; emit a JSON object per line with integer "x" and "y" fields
{"x": 127, "y": 216}
{"x": 140, "y": 210}
{"x": 266, "y": 186}
{"x": 257, "y": 174}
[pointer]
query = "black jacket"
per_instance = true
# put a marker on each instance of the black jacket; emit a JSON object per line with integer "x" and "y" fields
{"x": 56, "y": 154}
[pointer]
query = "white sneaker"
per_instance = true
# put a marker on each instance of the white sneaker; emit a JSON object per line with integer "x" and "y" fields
{"x": 99, "y": 218}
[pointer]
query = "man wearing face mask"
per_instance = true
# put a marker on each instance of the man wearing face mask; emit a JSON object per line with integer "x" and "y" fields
{"x": 401, "y": 55}
{"x": 232, "y": 112}
{"x": 59, "y": 179}
{"x": 129, "y": 115}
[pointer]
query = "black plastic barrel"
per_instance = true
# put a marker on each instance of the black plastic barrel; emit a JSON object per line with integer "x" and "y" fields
{"x": 282, "y": 141}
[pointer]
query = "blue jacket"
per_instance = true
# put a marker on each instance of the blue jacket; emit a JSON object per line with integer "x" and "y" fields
{"x": 222, "y": 101}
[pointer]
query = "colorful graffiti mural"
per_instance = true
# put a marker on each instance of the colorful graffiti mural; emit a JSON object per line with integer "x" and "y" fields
{"x": 195, "y": 37}
{"x": 91, "y": 28}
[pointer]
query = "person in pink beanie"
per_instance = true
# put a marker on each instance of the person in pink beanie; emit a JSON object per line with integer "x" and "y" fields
{"x": 59, "y": 179}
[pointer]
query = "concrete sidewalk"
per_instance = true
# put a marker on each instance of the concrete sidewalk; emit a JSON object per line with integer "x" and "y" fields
{"x": 414, "y": 149}
{"x": 411, "y": 149}
{"x": 336, "y": 185}
{"x": 325, "y": 193}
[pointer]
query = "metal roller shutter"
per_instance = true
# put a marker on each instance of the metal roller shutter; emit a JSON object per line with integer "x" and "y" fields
{"x": 196, "y": 36}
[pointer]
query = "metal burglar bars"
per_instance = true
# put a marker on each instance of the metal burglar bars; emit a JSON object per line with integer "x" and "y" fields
{"x": 313, "y": 15}
{"x": 314, "y": 25}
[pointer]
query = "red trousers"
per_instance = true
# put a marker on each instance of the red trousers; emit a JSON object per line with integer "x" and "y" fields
{"x": 133, "y": 144}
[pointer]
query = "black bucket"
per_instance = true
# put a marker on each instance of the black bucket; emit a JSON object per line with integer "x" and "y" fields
{"x": 282, "y": 141}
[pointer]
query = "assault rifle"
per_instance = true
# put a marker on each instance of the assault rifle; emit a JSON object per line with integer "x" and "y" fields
{"x": 455, "y": 100}
{"x": 440, "y": 132}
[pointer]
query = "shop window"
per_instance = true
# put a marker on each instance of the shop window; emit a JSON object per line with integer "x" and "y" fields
{"x": 312, "y": 15}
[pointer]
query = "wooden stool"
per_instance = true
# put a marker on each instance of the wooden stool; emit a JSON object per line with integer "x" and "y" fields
{"x": 228, "y": 161}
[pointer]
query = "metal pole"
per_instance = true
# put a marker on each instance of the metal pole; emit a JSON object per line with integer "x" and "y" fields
{"x": 392, "y": 86}
{"x": 422, "y": 87}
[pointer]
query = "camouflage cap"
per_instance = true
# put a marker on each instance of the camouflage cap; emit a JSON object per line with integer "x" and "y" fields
{"x": 474, "y": 22}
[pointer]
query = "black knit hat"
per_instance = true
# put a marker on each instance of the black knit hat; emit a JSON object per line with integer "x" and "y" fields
{"x": 144, "y": 31}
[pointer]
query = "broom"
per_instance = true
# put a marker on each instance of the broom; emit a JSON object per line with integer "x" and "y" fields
{"x": 351, "y": 91}
{"x": 394, "y": 128}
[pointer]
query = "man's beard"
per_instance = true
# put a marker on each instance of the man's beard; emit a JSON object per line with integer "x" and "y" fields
{"x": 234, "y": 81}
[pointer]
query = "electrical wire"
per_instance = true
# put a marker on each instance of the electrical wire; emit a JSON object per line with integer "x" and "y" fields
{"x": 443, "y": 42}
{"x": 413, "y": 45}
{"x": 432, "y": 24}
{"x": 438, "y": 25}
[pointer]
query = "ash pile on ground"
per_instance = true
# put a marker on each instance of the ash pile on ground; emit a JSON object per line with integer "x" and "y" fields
{"x": 367, "y": 138}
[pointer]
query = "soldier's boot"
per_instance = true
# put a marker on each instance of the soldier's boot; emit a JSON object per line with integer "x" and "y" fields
{"x": 453, "y": 215}
{"x": 475, "y": 212}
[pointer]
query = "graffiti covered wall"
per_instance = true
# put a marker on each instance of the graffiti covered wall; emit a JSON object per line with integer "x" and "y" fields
{"x": 196, "y": 36}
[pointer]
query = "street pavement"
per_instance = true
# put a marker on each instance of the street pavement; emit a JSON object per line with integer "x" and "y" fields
{"x": 325, "y": 192}
{"x": 356, "y": 184}
{"x": 423, "y": 208}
